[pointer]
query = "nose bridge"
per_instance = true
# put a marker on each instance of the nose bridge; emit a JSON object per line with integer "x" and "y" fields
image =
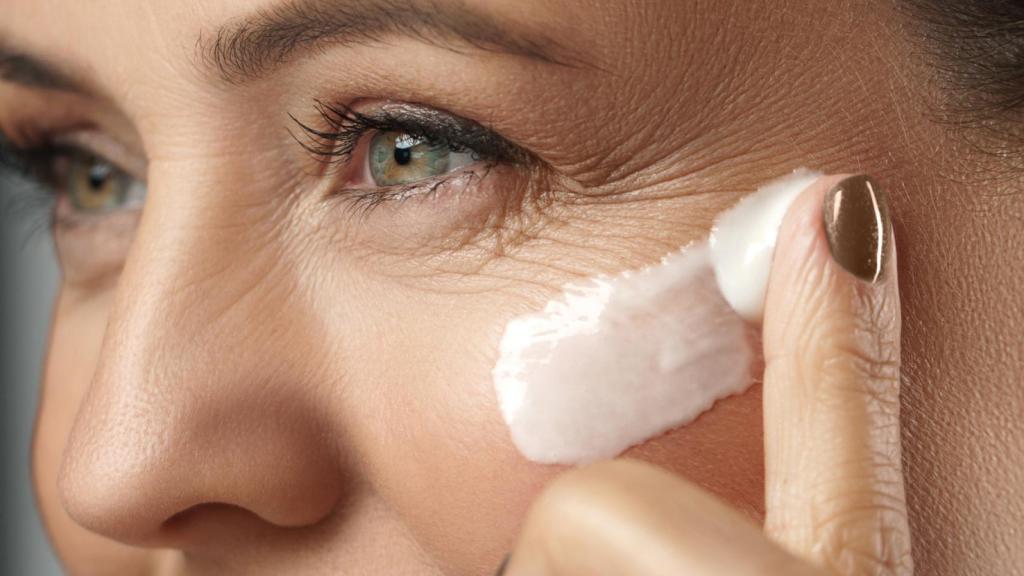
{"x": 194, "y": 400}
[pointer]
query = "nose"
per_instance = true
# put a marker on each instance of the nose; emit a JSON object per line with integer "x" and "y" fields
{"x": 207, "y": 392}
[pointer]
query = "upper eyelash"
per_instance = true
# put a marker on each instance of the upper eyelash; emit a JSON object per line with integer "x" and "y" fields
{"x": 346, "y": 126}
{"x": 21, "y": 161}
{"x": 34, "y": 200}
{"x": 34, "y": 164}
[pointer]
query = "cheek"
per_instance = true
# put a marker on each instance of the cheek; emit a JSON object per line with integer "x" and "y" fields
{"x": 442, "y": 456}
{"x": 722, "y": 451}
{"x": 430, "y": 432}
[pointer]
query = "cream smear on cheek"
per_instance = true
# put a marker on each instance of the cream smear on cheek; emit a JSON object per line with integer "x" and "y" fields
{"x": 617, "y": 360}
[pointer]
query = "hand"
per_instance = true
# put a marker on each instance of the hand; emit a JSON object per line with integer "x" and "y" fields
{"x": 834, "y": 482}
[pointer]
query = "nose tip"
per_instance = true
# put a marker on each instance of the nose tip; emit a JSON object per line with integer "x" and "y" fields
{"x": 130, "y": 482}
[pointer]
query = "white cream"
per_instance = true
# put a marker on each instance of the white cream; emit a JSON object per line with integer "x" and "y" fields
{"x": 618, "y": 360}
{"x": 743, "y": 241}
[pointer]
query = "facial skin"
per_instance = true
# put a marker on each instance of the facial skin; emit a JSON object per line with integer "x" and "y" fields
{"x": 257, "y": 376}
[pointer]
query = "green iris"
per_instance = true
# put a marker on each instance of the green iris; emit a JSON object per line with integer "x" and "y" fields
{"x": 397, "y": 158}
{"x": 94, "y": 185}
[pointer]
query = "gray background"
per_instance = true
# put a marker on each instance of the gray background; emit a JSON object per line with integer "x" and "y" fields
{"x": 30, "y": 280}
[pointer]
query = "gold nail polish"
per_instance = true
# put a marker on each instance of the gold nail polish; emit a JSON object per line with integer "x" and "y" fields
{"x": 857, "y": 227}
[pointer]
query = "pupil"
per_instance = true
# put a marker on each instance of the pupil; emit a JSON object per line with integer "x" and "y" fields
{"x": 98, "y": 175}
{"x": 403, "y": 156}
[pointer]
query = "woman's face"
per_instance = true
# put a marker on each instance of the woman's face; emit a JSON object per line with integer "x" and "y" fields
{"x": 282, "y": 364}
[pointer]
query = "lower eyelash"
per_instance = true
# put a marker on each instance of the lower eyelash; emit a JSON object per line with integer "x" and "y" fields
{"x": 366, "y": 200}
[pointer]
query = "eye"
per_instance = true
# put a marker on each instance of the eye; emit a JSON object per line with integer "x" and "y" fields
{"x": 81, "y": 182}
{"x": 398, "y": 150}
{"x": 398, "y": 158}
{"x": 91, "y": 204}
{"x": 93, "y": 185}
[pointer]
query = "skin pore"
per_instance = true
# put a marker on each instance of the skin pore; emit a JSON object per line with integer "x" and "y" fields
{"x": 267, "y": 374}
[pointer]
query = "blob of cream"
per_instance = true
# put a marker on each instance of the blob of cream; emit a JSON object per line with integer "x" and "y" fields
{"x": 617, "y": 360}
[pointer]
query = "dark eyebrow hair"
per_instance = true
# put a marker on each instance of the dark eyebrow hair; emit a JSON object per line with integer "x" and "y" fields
{"x": 31, "y": 72}
{"x": 247, "y": 49}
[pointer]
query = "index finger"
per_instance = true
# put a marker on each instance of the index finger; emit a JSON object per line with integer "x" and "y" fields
{"x": 834, "y": 480}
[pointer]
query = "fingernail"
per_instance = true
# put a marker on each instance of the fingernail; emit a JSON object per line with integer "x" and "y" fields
{"x": 501, "y": 568}
{"x": 857, "y": 226}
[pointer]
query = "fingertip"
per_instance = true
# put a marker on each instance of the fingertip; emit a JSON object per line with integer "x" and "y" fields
{"x": 835, "y": 243}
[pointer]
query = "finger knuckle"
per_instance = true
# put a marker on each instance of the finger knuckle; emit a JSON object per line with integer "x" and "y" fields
{"x": 866, "y": 541}
{"x": 851, "y": 369}
{"x": 854, "y": 351}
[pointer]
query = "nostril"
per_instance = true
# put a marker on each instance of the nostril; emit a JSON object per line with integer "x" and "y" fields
{"x": 181, "y": 520}
{"x": 209, "y": 522}
{"x": 181, "y": 498}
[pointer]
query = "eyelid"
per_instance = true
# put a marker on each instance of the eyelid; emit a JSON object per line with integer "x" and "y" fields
{"x": 103, "y": 146}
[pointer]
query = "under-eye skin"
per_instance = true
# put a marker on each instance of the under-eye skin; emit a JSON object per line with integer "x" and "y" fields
{"x": 399, "y": 151}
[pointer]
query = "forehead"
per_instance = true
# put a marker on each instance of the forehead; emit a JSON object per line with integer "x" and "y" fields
{"x": 115, "y": 34}
{"x": 100, "y": 36}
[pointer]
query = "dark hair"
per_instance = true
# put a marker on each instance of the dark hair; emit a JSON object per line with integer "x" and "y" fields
{"x": 976, "y": 48}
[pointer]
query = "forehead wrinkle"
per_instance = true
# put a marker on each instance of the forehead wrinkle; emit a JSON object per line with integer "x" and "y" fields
{"x": 252, "y": 46}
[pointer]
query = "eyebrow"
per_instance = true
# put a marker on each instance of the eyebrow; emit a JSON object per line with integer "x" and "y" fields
{"x": 30, "y": 72}
{"x": 253, "y": 47}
